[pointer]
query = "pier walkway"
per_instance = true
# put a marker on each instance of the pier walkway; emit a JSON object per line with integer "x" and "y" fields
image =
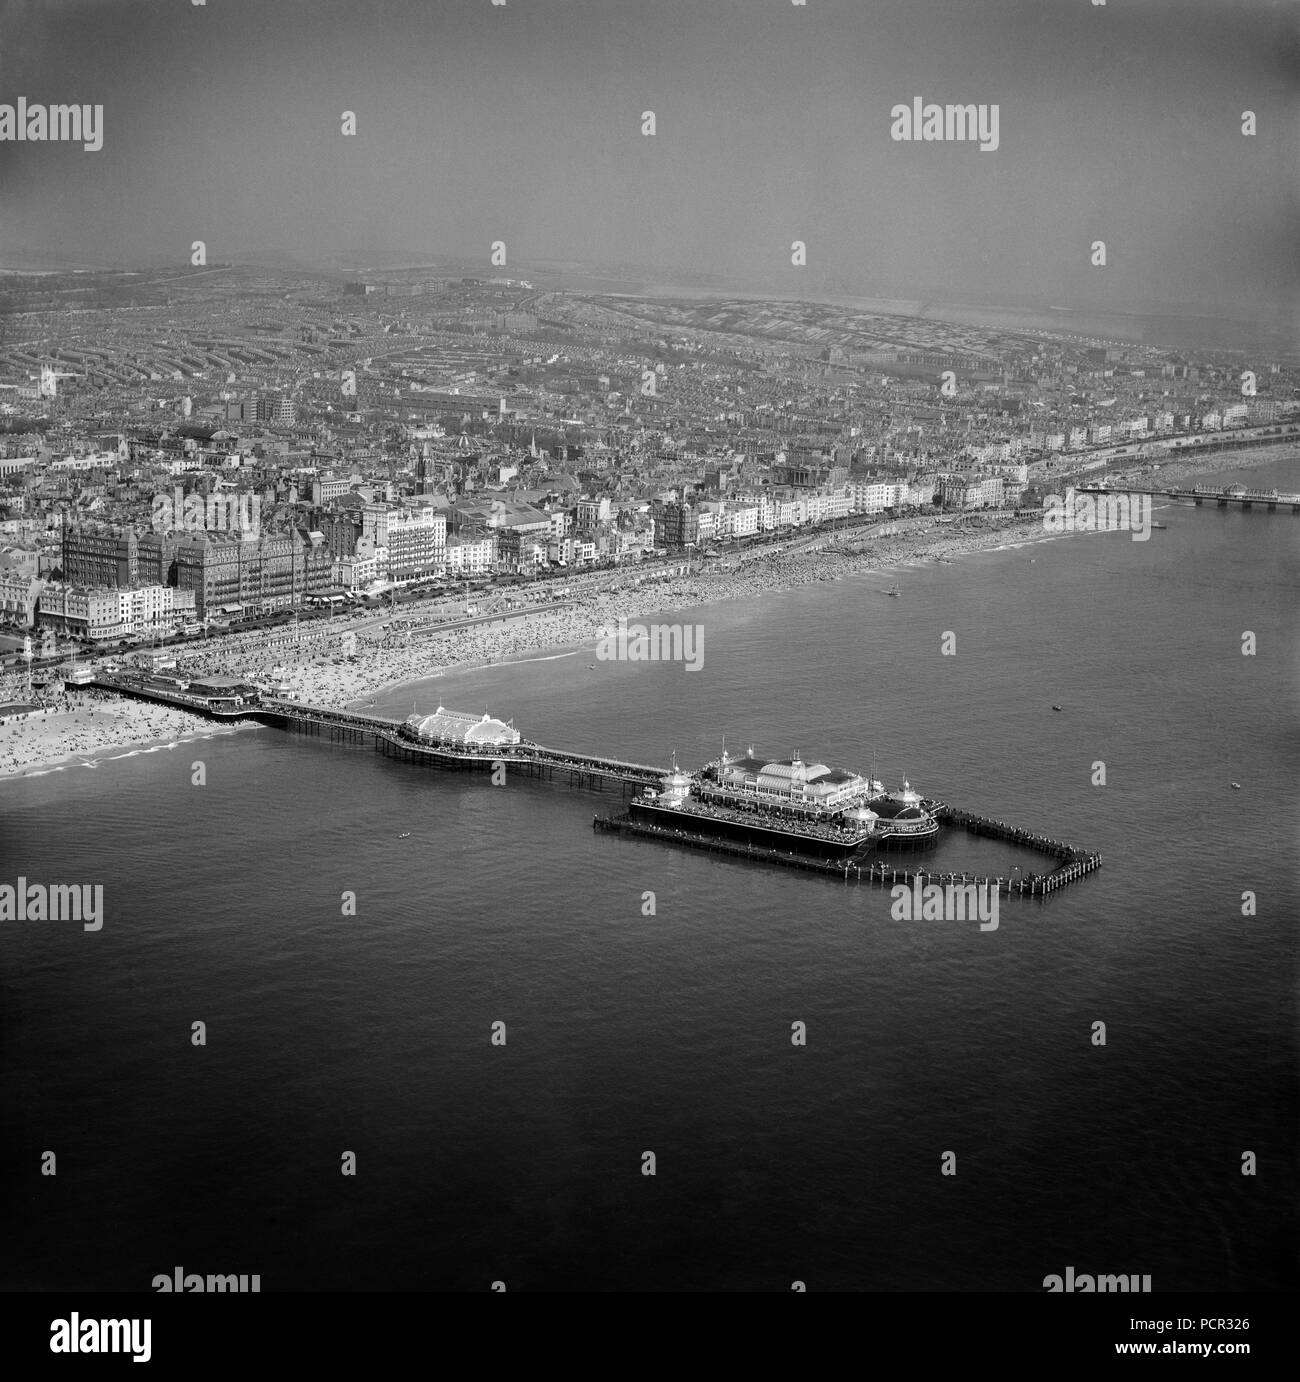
{"x": 391, "y": 738}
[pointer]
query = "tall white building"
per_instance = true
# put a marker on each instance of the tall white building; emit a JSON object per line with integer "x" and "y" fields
{"x": 415, "y": 539}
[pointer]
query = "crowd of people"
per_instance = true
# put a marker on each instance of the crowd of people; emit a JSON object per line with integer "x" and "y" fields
{"x": 350, "y": 667}
{"x": 81, "y": 725}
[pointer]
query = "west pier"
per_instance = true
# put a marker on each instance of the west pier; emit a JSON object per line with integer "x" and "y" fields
{"x": 591, "y": 772}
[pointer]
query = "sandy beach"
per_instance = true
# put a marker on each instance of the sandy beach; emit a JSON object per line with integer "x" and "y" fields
{"x": 385, "y": 660}
{"x": 343, "y": 665}
{"x": 86, "y": 732}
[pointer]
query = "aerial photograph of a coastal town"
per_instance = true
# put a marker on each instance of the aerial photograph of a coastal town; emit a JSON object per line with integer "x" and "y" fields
{"x": 650, "y": 647}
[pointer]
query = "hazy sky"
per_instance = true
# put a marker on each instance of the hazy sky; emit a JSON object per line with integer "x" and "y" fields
{"x": 478, "y": 122}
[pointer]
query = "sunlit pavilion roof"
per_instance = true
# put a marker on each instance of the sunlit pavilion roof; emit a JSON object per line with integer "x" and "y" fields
{"x": 459, "y": 728}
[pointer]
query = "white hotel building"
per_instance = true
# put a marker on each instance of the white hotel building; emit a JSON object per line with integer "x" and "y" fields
{"x": 874, "y": 496}
{"x": 467, "y": 556}
{"x": 415, "y": 538}
{"x": 105, "y": 614}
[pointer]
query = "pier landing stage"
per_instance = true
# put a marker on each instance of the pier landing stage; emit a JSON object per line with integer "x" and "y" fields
{"x": 1071, "y": 864}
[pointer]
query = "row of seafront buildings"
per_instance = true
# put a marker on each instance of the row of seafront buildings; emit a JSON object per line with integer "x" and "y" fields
{"x": 108, "y": 581}
{"x": 690, "y": 520}
{"x": 1038, "y": 441}
{"x": 117, "y": 582}
{"x": 113, "y": 580}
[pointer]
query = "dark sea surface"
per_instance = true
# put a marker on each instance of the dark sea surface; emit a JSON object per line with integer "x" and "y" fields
{"x": 671, "y": 1033}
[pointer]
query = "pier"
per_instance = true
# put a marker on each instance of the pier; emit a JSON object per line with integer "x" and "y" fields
{"x": 595, "y": 773}
{"x": 1270, "y": 500}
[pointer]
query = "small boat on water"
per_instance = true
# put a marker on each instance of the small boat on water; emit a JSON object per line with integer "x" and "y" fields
{"x": 894, "y": 591}
{"x": 404, "y": 835}
{"x": 1057, "y": 707}
{"x": 1236, "y": 786}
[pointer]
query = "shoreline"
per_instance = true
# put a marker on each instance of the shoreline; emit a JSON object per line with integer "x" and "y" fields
{"x": 389, "y": 662}
{"x": 552, "y": 637}
{"x": 942, "y": 544}
{"x": 811, "y": 570}
{"x": 86, "y": 734}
